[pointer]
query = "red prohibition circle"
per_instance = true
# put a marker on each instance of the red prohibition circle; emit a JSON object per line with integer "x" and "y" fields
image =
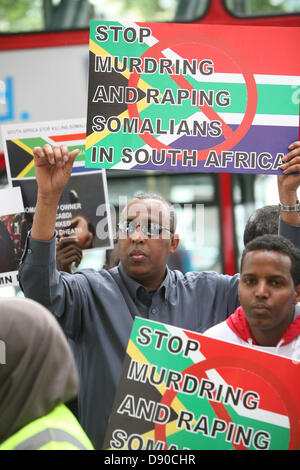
{"x": 199, "y": 369}
{"x": 156, "y": 51}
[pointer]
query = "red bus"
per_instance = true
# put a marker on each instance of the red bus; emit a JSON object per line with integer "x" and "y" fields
{"x": 43, "y": 76}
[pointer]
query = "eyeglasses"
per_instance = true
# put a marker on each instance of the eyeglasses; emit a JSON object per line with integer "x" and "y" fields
{"x": 151, "y": 229}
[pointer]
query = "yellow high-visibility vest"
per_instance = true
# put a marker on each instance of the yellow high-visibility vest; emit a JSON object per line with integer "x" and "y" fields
{"x": 58, "y": 430}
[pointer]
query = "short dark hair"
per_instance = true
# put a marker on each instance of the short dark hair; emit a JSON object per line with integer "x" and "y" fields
{"x": 173, "y": 219}
{"x": 263, "y": 221}
{"x": 280, "y": 244}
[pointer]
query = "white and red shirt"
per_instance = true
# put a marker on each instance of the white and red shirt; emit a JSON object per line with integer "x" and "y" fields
{"x": 236, "y": 329}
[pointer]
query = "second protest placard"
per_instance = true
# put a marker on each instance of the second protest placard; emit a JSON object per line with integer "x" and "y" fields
{"x": 181, "y": 390}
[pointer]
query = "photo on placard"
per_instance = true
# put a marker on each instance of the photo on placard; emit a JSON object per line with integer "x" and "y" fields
{"x": 12, "y": 224}
{"x": 78, "y": 208}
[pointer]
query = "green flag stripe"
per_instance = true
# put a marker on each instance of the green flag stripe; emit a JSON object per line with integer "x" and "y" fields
{"x": 171, "y": 361}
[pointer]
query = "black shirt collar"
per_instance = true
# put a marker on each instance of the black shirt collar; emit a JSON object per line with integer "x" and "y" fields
{"x": 135, "y": 288}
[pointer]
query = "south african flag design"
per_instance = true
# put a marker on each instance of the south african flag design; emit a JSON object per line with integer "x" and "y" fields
{"x": 191, "y": 97}
{"x": 181, "y": 390}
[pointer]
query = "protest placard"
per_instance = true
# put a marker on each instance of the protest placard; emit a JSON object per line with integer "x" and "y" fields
{"x": 191, "y": 97}
{"x": 83, "y": 211}
{"x": 11, "y": 223}
{"x": 181, "y": 390}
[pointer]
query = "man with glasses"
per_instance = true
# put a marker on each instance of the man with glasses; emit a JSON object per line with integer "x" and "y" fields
{"x": 96, "y": 309}
{"x": 146, "y": 237}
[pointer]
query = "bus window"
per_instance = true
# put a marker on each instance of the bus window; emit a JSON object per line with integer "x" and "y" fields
{"x": 195, "y": 197}
{"x": 228, "y": 199}
{"x": 244, "y": 204}
{"x": 197, "y": 209}
{"x": 54, "y": 15}
{"x": 249, "y": 8}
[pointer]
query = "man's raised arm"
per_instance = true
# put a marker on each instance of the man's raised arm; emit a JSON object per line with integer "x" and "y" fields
{"x": 38, "y": 276}
{"x": 288, "y": 183}
{"x": 53, "y": 167}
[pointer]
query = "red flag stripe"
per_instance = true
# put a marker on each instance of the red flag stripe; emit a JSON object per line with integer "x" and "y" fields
{"x": 65, "y": 138}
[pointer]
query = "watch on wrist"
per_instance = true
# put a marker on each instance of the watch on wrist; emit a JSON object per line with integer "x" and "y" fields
{"x": 293, "y": 208}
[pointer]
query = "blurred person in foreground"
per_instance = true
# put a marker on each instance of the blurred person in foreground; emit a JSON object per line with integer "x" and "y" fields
{"x": 269, "y": 289}
{"x": 37, "y": 377}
